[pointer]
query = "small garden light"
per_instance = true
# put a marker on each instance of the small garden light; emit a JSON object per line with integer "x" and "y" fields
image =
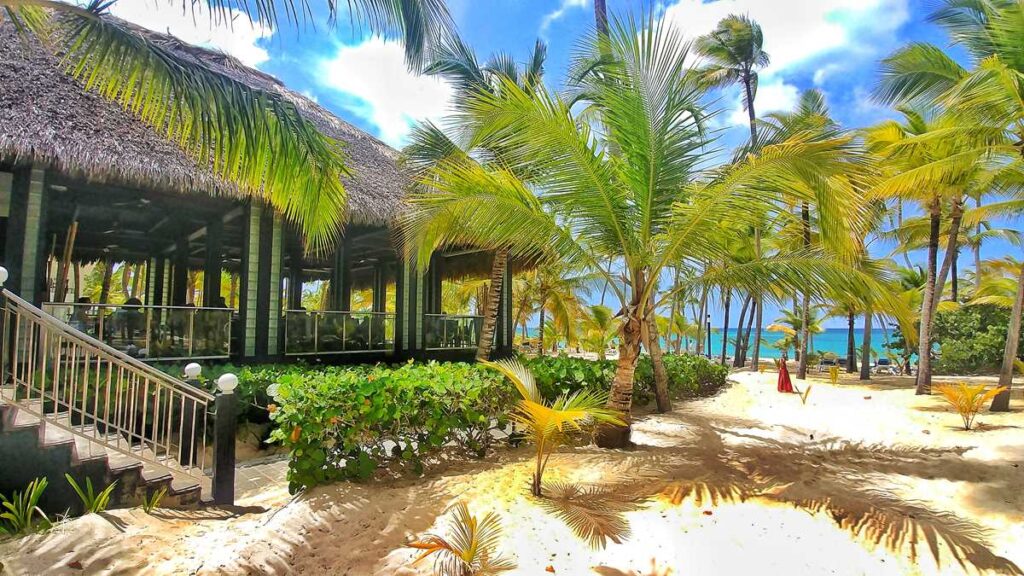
{"x": 227, "y": 383}
{"x": 3, "y": 275}
{"x": 193, "y": 370}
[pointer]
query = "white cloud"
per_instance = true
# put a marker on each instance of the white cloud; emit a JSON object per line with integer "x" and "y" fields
{"x": 774, "y": 96}
{"x": 386, "y": 92}
{"x": 564, "y": 7}
{"x": 797, "y": 30}
{"x": 239, "y": 39}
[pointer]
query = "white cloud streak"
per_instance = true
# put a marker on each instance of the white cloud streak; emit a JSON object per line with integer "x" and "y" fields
{"x": 385, "y": 93}
{"x": 239, "y": 39}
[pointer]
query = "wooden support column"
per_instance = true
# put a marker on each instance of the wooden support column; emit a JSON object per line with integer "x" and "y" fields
{"x": 504, "y": 332}
{"x": 433, "y": 286}
{"x": 380, "y": 289}
{"x": 179, "y": 278}
{"x": 341, "y": 276}
{"x": 212, "y": 264}
{"x": 275, "y": 262}
{"x": 295, "y": 284}
{"x": 408, "y": 317}
{"x": 25, "y": 246}
{"x": 249, "y": 277}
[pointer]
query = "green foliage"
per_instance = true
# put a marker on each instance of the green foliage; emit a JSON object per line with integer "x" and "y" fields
{"x": 689, "y": 375}
{"x": 20, "y": 510}
{"x": 971, "y": 339}
{"x": 549, "y": 423}
{"x": 92, "y": 502}
{"x": 346, "y": 422}
{"x": 470, "y": 549}
{"x": 152, "y": 501}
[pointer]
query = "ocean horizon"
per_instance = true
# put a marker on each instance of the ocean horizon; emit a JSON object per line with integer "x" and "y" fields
{"x": 832, "y": 340}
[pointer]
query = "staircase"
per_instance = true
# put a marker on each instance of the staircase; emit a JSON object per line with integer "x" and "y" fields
{"x": 71, "y": 404}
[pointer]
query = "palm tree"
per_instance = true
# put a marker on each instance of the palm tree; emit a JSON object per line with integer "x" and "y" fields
{"x": 599, "y": 329}
{"x": 986, "y": 97}
{"x": 631, "y": 190}
{"x": 255, "y": 139}
{"x": 1001, "y": 284}
{"x": 913, "y": 151}
{"x": 735, "y": 52}
{"x": 431, "y": 147}
{"x": 559, "y": 292}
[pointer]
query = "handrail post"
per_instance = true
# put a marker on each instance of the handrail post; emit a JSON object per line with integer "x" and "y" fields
{"x": 187, "y": 451}
{"x": 224, "y": 428}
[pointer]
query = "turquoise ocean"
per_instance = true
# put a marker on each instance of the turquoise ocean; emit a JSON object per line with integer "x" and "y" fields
{"x": 831, "y": 340}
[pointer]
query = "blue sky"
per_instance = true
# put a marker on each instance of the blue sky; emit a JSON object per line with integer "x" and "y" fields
{"x": 832, "y": 45}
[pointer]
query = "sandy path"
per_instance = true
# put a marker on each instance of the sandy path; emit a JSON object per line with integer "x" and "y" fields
{"x": 860, "y": 480}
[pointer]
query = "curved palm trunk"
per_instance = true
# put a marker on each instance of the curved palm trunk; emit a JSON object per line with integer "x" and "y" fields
{"x": 483, "y": 351}
{"x": 924, "y": 370}
{"x": 108, "y": 270}
{"x": 755, "y": 361}
{"x": 948, "y": 261}
{"x": 865, "y": 352}
{"x": 737, "y": 349}
{"x": 1001, "y": 403}
{"x": 851, "y": 345}
{"x": 649, "y": 333}
{"x": 621, "y": 395}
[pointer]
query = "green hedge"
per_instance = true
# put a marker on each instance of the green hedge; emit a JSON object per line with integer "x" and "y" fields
{"x": 346, "y": 422}
{"x": 689, "y": 375}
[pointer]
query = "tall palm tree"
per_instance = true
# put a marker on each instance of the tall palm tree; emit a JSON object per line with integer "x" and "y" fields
{"x": 1002, "y": 285}
{"x": 631, "y": 190}
{"x": 431, "y": 147}
{"x": 255, "y": 139}
{"x": 913, "y": 150}
{"x": 986, "y": 96}
{"x": 735, "y": 52}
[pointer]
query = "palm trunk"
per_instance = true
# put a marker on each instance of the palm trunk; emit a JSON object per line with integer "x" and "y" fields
{"x": 483, "y": 351}
{"x": 954, "y": 290}
{"x": 601, "y": 17}
{"x": 737, "y": 349}
{"x": 701, "y": 325}
{"x": 673, "y": 338}
{"x": 746, "y": 335}
{"x": 1001, "y": 403}
{"x": 108, "y": 270}
{"x": 851, "y": 345}
{"x": 865, "y": 353}
{"x": 956, "y": 216}
{"x": 233, "y": 292}
{"x": 977, "y": 248}
{"x": 649, "y": 333}
{"x": 621, "y": 396}
{"x": 540, "y": 329}
{"x": 924, "y": 369}
{"x": 126, "y": 280}
{"x": 805, "y": 216}
{"x": 78, "y": 281}
{"x": 725, "y": 323}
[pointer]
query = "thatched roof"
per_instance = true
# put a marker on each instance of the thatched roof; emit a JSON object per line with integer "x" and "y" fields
{"x": 46, "y": 117}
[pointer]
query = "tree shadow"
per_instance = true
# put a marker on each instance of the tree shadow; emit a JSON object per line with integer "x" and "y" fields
{"x": 713, "y": 463}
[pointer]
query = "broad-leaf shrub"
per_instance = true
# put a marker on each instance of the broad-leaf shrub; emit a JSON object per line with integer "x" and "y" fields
{"x": 346, "y": 422}
{"x": 688, "y": 375}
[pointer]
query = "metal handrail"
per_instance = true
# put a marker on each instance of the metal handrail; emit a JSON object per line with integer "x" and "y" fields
{"x": 98, "y": 345}
{"x": 83, "y": 385}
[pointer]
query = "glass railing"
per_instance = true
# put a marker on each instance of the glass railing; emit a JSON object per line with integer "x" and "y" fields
{"x": 451, "y": 332}
{"x": 152, "y": 332}
{"x": 334, "y": 332}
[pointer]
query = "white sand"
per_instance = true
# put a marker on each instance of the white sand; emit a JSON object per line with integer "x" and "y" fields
{"x": 860, "y": 480}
